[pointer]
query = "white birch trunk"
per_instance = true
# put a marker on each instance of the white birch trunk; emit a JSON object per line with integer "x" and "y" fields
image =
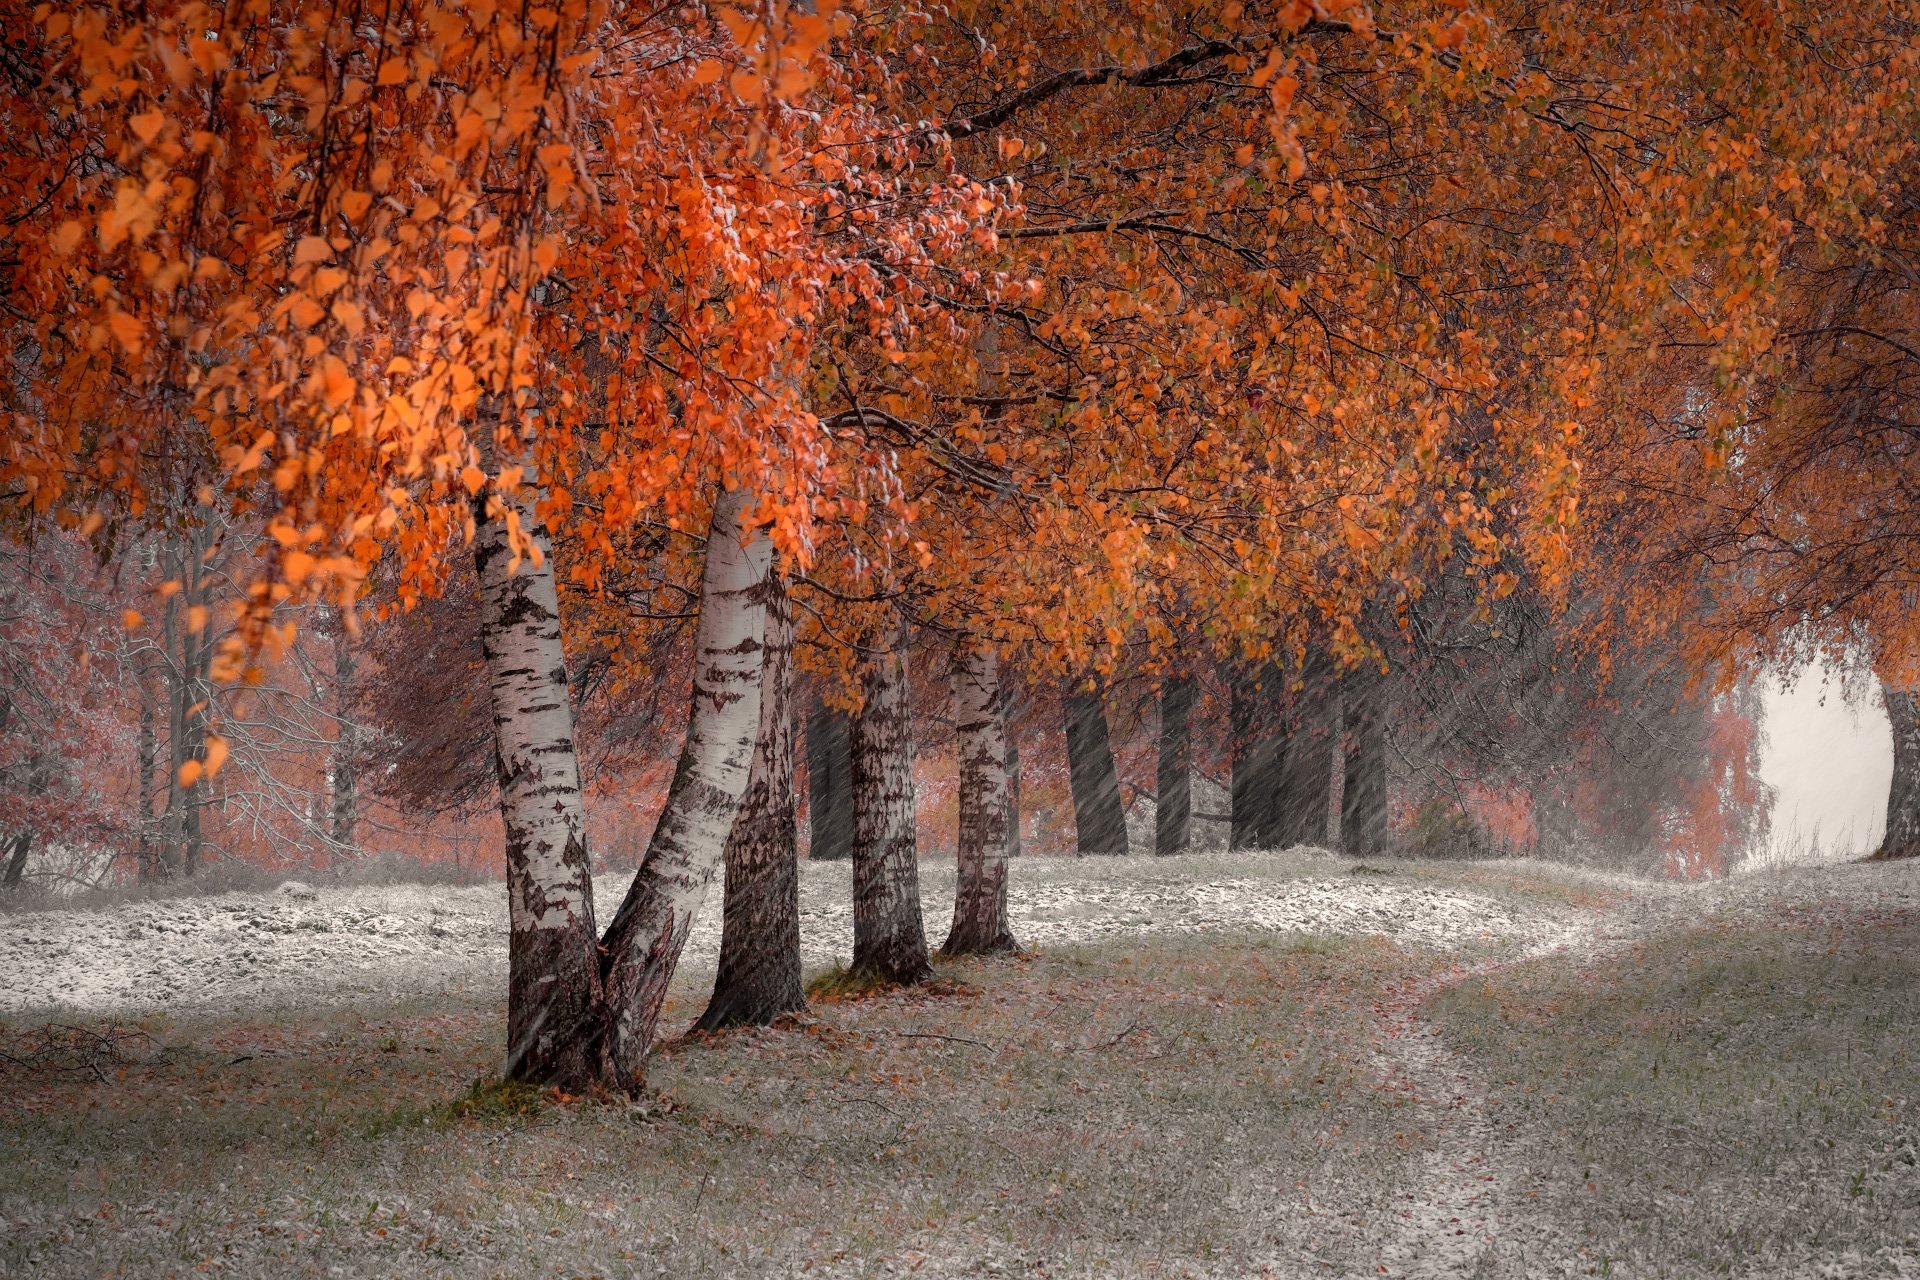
{"x": 552, "y": 979}
{"x": 643, "y": 944}
{"x": 979, "y": 715}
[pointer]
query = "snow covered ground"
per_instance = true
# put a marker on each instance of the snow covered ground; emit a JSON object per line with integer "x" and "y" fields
{"x": 305, "y": 943}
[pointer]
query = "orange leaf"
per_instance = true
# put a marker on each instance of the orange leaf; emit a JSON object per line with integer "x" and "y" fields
{"x": 216, "y": 754}
{"x": 474, "y": 478}
{"x": 336, "y": 384}
{"x": 190, "y": 773}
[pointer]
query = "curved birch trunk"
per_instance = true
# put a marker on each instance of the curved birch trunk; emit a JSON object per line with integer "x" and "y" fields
{"x": 553, "y": 983}
{"x": 759, "y": 972}
{"x": 1363, "y": 799}
{"x": 1173, "y": 807}
{"x": 980, "y": 892}
{"x": 1902, "y": 837}
{"x": 1099, "y": 819}
{"x": 889, "y": 933}
{"x": 642, "y": 946}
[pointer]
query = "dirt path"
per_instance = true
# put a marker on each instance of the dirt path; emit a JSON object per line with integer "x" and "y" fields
{"x": 1461, "y": 1216}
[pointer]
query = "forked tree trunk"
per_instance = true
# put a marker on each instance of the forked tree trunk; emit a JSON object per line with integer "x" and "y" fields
{"x": 889, "y": 933}
{"x": 1363, "y": 801}
{"x": 346, "y": 747}
{"x": 1902, "y": 837}
{"x": 1255, "y": 723}
{"x": 980, "y": 893}
{"x": 829, "y": 783}
{"x": 759, "y": 973}
{"x": 1173, "y": 807}
{"x": 643, "y": 944}
{"x": 1306, "y": 796}
{"x": 1100, "y": 820}
{"x": 553, "y": 983}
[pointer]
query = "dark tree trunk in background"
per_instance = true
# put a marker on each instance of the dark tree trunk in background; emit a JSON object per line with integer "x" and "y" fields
{"x": 1256, "y": 722}
{"x": 889, "y": 933}
{"x": 346, "y": 748}
{"x": 553, "y": 980}
{"x": 1100, "y": 820}
{"x": 642, "y": 946}
{"x": 759, "y": 972}
{"x": 829, "y": 783}
{"x": 1173, "y": 807}
{"x": 145, "y": 765}
{"x": 1306, "y": 793}
{"x": 1013, "y": 797}
{"x": 17, "y": 860}
{"x": 1902, "y": 838}
{"x": 979, "y": 716}
{"x": 1363, "y": 800}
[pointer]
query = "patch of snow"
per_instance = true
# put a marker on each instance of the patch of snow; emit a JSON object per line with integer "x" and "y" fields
{"x": 302, "y": 944}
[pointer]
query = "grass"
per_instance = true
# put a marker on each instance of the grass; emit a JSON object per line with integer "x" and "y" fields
{"x": 1195, "y": 1107}
{"x": 1740, "y": 1095}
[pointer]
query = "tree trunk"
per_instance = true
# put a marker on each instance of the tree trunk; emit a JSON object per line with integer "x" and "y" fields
{"x": 1363, "y": 802}
{"x": 1013, "y": 797}
{"x": 889, "y": 934}
{"x": 1902, "y": 837}
{"x": 17, "y": 860}
{"x": 346, "y": 748}
{"x": 171, "y": 826}
{"x": 1173, "y": 807}
{"x": 1255, "y": 723}
{"x": 829, "y": 782}
{"x": 196, "y": 693}
{"x": 759, "y": 972}
{"x": 1306, "y": 794}
{"x": 980, "y": 893}
{"x": 1100, "y": 820}
{"x": 553, "y": 984}
{"x": 643, "y": 944}
{"x": 147, "y": 759}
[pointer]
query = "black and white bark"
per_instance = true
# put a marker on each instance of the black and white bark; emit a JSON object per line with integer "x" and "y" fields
{"x": 1902, "y": 836}
{"x": 1173, "y": 807}
{"x": 1306, "y": 787}
{"x": 1363, "y": 798}
{"x": 889, "y": 931}
{"x": 643, "y": 943}
{"x": 553, "y": 982}
{"x": 980, "y": 924}
{"x": 829, "y": 782}
{"x": 1256, "y": 723}
{"x": 1099, "y": 817}
{"x": 758, "y": 978}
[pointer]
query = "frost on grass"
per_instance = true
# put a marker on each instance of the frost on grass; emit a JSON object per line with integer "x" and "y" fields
{"x": 303, "y": 942}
